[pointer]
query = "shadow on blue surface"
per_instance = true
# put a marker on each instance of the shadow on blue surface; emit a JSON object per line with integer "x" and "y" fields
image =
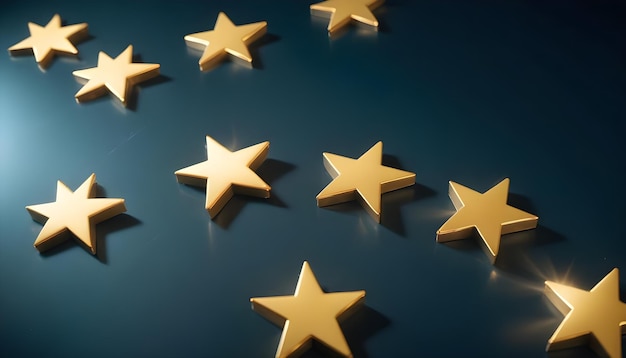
{"x": 269, "y": 171}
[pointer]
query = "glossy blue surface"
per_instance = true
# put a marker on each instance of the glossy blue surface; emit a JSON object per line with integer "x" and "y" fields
{"x": 469, "y": 91}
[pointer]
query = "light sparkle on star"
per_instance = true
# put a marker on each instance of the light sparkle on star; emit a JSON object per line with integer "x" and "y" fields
{"x": 364, "y": 178}
{"x": 73, "y": 212}
{"x": 343, "y": 11}
{"x": 117, "y": 75}
{"x": 45, "y": 42}
{"x": 310, "y": 314}
{"x": 486, "y": 213}
{"x": 226, "y": 173}
{"x": 596, "y": 317}
{"x": 226, "y": 38}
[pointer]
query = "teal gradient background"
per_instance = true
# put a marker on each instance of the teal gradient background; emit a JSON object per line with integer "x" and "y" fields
{"x": 469, "y": 91}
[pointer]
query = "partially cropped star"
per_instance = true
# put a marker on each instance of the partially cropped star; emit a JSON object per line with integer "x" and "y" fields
{"x": 117, "y": 75}
{"x": 365, "y": 179}
{"x": 73, "y": 212}
{"x": 45, "y": 42}
{"x": 596, "y": 317}
{"x": 487, "y": 213}
{"x": 226, "y": 38}
{"x": 310, "y": 314}
{"x": 225, "y": 173}
{"x": 343, "y": 11}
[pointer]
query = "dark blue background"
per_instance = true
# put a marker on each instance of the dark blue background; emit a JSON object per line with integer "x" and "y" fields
{"x": 470, "y": 91}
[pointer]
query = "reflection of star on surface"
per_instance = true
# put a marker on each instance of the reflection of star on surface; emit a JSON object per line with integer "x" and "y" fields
{"x": 115, "y": 74}
{"x": 486, "y": 213}
{"x": 225, "y": 38}
{"x": 225, "y": 173}
{"x": 364, "y": 178}
{"x": 309, "y": 314}
{"x": 342, "y": 11}
{"x": 597, "y": 315}
{"x": 51, "y": 39}
{"x": 76, "y": 212}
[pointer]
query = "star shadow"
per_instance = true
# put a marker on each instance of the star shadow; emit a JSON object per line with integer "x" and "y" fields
{"x": 269, "y": 171}
{"x": 133, "y": 95}
{"x": 118, "y": 222}
{"x": 582, "y": 351}
{"x": 357, "y": 328}
{"x": 391, "y": 203}
{"x": 513, "y": 255}
{"x": 521, "y": 202}
{"x": 266, "y": 39}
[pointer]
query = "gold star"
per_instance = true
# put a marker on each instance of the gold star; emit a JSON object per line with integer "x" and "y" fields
{"x": 225, "y": 173}
{"x": 486, "y": 213}
{"x": 44, "y": 42}
{"x": 73, "y": 212}
{"x": 364, "y": 176}
{"x": 342, "y": 11}
{"x": 115, "y": 74}
{"x": 225, "y": 38}
{"x": 309, "y": 314}
{"x": 596, "y": 316}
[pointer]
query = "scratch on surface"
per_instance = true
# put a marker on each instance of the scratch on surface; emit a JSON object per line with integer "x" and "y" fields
{"x": 131, "y": 136}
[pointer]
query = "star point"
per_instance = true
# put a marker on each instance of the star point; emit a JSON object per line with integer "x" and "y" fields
{"x": 365, "y": 179}
{"x": 343, "y": 11}
{"x": 310, "y": 314}
{"x": 225, "y": 38}
{"x": 73, "y": 212}
{"x": 115, "y": 74}
{"x": 47, "y": 41}
{"x": 597, "y": 317}
{"x": 226, "y": 173}
{"x": 488, "y": 214}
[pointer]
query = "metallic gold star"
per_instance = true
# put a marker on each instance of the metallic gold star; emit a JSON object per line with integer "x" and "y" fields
{"x": 342, "y": 11}
{"x": 364, "y": 178}
{"x": 45, "y": 42}
{"x": 309, "y": 314}
{"x": 118, "y": 75}
{"x": 486, "y": 213}
{"x": 225, "y": 173}
{"x": 596, "y": 316}
{"x": 225, "y": 38}
{"x": 73, "y": 212}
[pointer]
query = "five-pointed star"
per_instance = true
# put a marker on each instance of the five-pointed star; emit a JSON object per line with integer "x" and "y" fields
{"x": 225, "y": 38}
{"x": 597, "y": 314}
{"x": 487, "y": 213}
{"x": 51, "y": 39}
{"x": 73, "y": 212}
{"x": 309, "y": 314}
{"x": 115, "y": 74}
{"x": 225, "y": 173}
{"x": 342, "y": 11}
{"x": 364, "y": 178}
